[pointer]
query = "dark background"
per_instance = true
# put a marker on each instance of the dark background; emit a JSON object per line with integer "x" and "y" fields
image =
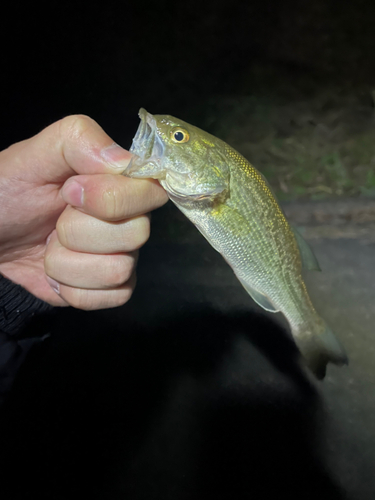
{"x": 171, "y": 57}
{"x": 187, "y": 391}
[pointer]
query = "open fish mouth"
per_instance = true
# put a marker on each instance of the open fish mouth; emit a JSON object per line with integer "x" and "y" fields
{"x": 147, "y": 146}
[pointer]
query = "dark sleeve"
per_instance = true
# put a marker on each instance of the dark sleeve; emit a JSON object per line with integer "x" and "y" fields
{"x": 17, "y": 308}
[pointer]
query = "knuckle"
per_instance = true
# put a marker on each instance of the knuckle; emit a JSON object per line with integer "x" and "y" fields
{"x": 65, "y": 230}
{"x": 75, "y": 125}
{"x": 139, "y": 231}
{"x": 119, "y": 270}
{"x": 127, "y": 292}
{"x": 126, "y": 296}
{"x": 120, "y": 297}
{"x": 50, "y": 263}
{"x": 89, "y": 300}
{"x": 113, "y": 203}
{"x": 80, "y": 299}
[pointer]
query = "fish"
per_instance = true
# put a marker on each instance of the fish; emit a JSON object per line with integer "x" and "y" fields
{"x": 233, "y": 206}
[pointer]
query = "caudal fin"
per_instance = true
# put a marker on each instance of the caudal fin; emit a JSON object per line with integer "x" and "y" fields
{"x": 318, "y": 349}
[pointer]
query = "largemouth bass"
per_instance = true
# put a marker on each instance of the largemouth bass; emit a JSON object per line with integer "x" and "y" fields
{"x": 232, "y": 205}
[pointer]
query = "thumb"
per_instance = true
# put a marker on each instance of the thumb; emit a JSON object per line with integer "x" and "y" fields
{"x": 74, "y": 145}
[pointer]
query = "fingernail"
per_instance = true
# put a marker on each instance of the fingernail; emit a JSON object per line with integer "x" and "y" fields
{"x": 116, "y": 156}
{"x": 53, "y": 284}
{"x": 73, "y": 193}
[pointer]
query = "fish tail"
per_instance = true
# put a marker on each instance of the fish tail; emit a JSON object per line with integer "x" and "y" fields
{"x": 320, "y": 348}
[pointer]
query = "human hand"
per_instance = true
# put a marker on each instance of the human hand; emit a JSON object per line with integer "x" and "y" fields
{"x": 94, "y": 221}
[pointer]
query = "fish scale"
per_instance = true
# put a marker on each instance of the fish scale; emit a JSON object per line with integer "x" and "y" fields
{"x": 282, "y": 242}
{"x": 233, "y": 206}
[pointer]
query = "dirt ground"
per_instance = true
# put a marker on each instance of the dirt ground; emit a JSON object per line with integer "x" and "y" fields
{"x": 311, "y": 140}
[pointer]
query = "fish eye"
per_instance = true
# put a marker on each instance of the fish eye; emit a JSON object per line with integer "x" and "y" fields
{"x": 180, "y": 135}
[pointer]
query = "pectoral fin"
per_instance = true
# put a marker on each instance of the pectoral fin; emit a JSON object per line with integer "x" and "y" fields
{"x": 309, "y": 261}
{"x": 258, "y": 297}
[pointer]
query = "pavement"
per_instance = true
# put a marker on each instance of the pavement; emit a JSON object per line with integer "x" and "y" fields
{"x": 192, "y": 391}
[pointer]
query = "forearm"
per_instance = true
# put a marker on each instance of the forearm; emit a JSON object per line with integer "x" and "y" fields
{"x": 17, "y": 307}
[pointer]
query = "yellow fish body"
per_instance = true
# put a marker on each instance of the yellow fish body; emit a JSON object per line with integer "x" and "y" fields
{"x": 232, "y": 205}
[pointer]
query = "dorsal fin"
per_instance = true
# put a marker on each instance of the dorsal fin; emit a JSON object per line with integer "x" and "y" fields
{"x": 309, "y": 261}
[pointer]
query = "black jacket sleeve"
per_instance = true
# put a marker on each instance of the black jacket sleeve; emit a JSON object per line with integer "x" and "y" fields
{"x": 17, "y": 307}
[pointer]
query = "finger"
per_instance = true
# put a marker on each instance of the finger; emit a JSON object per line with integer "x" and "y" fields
{"x": 83, "y": 233}
{"x": 82, "y": 270}
{"x": 90, "y": 300}
{"x": 74, "y": 145}
{"x": 113, "y": 197}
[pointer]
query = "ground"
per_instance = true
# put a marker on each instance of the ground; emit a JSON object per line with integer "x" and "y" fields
{"x": 311, "y": 141}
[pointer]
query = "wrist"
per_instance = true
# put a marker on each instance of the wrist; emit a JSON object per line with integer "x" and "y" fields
{"x": 17, "y": 306}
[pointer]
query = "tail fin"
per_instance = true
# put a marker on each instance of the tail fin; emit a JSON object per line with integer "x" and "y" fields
{"x": 319, "y": 349}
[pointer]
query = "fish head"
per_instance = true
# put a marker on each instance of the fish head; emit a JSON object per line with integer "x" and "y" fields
{"x": 188, "y": 162}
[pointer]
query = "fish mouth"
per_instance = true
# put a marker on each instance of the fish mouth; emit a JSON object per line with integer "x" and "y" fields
{"x": 147, "y": 147}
